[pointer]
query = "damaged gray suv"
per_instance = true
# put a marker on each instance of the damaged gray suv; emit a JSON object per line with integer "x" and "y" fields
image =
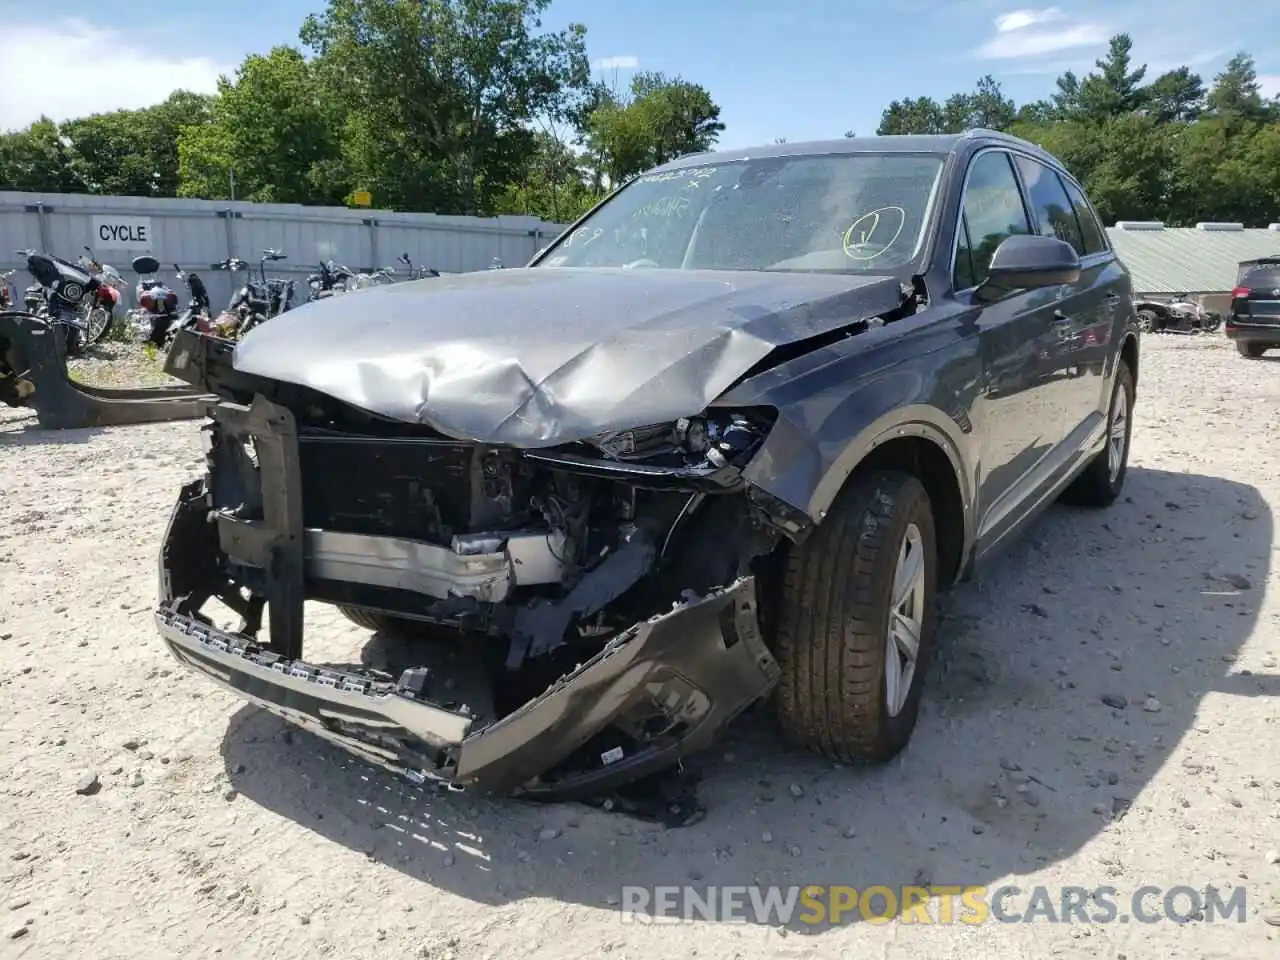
{"x": 722, "y": 441}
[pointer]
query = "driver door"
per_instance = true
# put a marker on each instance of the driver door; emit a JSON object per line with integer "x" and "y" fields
{"x": 1021, "y": 408}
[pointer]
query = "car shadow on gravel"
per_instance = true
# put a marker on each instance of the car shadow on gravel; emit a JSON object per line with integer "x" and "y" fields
{"x": 15, "y": 432}
{"x": 1067, "y": 675}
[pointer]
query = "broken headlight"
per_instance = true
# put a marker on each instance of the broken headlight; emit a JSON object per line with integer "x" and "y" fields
{"x": 717, "y": 437}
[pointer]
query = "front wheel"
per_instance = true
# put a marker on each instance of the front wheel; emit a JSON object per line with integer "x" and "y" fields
{"x": 1251, "y": 350}
{"x": 855, "y": 622}
{"x": 96, "y": 324}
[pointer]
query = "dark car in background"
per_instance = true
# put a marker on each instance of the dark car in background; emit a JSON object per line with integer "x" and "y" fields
{"x": 1254, "y": 319}
{"x": 723, "y": 440}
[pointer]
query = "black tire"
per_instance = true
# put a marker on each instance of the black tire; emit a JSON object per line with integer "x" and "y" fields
{"x": 1095, "y": 487}
{"x": 75, "y": 344}
{"x": 1251, "y": 350}
{"x": 380, "y": 622}
{"x": 96, "y": 332}
{"x": 1148, "y": 321}
{"x": 833, "y": 618}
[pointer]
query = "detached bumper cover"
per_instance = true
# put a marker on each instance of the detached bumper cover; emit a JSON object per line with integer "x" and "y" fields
{"x": 698, "y": 665}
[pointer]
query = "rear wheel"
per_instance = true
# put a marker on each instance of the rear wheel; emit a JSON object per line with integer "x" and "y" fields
{"x": 1102, "y": 481}
{"x": 1252, "y": 350}
{"x": 855, "y": 621}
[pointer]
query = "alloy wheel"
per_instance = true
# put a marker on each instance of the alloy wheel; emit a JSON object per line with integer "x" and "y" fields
{"x": 906, "y": 618}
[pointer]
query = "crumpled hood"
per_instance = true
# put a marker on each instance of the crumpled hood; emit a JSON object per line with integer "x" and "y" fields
{"x": 537, "y": 357}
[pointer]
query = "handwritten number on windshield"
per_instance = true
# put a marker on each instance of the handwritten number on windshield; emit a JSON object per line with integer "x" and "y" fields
{"x": 861, "y": 241}
{"x": 591, "y": 235}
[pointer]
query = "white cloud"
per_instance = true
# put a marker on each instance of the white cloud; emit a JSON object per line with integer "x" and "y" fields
{"x": 625, "y": 62}
{"x": 1269, "y": 84}
{"x": 1036, "y": 32}
{"x": 73, "y": 68}
{"x": 1021, "y": 19}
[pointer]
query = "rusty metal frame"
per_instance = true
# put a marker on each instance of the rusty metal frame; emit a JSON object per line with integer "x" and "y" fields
{"x": 33, "y": 374}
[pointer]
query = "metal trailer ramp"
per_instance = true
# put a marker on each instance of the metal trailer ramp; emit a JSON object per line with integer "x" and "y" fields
{"x": 33, "y": 374}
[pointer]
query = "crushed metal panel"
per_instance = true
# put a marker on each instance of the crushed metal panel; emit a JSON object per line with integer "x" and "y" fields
{"x": 33, "y": 373}
{"x": 545, "y": 356}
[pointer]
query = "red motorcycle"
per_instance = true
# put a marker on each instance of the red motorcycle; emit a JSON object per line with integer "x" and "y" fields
{"x": 100, "y": 311}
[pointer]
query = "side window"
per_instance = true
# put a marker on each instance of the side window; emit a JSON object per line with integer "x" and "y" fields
{"x": 964, "y": 278}
{"x": 1095, "y": 241}
{"x": 993, "y": 211}
{"x": 1049, "y": 202}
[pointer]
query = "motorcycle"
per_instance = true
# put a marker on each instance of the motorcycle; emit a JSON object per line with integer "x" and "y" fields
{"x": 100, "y": 309}
{"x": 198, "y": 314}
{"x": 417, "y": 273}
{"x": 157, "y": 302}
{"x": 1178, "y": 315}
{"x": 258, "y": 300}
{"x": 331, "y": 279}
{"x": 64, "y": 294}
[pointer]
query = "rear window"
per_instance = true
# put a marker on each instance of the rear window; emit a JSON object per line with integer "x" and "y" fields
{"x": 1267, "y": 277}
{"x": 1094, "y": 240}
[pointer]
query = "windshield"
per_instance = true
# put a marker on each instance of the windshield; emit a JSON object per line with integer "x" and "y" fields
{"x": 837, "y": 213}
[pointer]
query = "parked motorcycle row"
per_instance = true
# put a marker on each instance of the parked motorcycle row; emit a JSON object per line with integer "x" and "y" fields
{"x": 82, "y": 298}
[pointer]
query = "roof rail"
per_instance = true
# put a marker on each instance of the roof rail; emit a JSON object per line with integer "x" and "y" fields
{"x": 974, "y": 133}
{"x": 1223, "y": 227}
{"x": 1136, "y": 225}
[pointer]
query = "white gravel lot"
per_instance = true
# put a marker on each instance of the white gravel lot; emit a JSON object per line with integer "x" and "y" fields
{"x": 215, "y": 832}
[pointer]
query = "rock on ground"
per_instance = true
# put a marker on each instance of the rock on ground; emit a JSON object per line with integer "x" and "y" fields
{"x": 321, "y": 856}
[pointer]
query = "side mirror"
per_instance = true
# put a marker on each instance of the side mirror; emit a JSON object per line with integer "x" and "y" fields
{"x": 1029, "y": 262}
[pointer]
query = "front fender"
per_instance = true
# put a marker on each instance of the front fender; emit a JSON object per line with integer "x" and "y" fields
{"x": 838, "y": 406}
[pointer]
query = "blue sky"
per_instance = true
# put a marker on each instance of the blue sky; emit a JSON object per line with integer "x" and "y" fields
{"x": 800, "y": 69}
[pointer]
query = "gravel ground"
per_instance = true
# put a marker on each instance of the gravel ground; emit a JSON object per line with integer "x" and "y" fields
{"x": 1104, "y": 712}
{"x": 116, "y": 364}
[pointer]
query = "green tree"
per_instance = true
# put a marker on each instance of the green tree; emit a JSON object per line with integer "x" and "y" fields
{"x": 661, "y": 119}
{"x": 1236, "y": 93}
{"x": 912, "y": 115}
{"x": 1115, "y": 89}
{"x": 553, "y": 185}
{"x": 38, "y": 159}
{"x": 274, "y": 129}
{"x": 441, "y": 93}
{"x": 135, "y": 152}
{"x": 1176, "y": 96}
{"x": 986, "y": 106}
{"x": 1066, "y": 99}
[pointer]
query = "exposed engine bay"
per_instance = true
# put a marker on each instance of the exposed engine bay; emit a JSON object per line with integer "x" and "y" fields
{"x": 571, "y": 617}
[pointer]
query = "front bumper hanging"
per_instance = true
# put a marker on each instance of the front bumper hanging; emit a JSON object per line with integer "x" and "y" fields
{"x": 680, "y": 661}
